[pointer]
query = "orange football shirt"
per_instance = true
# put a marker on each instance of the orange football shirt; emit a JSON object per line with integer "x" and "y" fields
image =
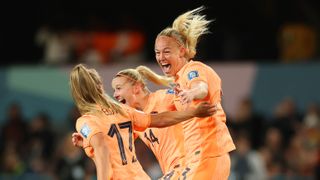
{"x": 204, "y": 137}
{"x": 119, "y": 138}
{"x": 166, "y": 143}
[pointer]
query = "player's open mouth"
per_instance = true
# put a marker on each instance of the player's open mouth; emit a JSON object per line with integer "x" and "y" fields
{"x": 120, "y": 99}
{"x": 123, "y": 101}
{"x": 166, "y": 67}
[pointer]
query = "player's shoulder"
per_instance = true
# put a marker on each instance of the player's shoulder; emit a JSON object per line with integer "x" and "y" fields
{"x": 87, "y": 118}
{"x": 126, "y": 108}
{"x": 197, "y": 65}
{"x": 163, "y": 92}
{"x": 164, "y": 95}
{"x": 130, "y": 111}
{"x": 84, "y": 120}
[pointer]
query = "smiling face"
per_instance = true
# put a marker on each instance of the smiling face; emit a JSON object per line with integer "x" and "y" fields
{"x": 169, "y": 55}
{"x": 123, "y": 90}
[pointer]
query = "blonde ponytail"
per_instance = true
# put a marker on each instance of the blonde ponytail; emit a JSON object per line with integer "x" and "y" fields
{"x": 88, "y": 94}
{"x": 154, "y": 77}
{"x": 187, "y": 28}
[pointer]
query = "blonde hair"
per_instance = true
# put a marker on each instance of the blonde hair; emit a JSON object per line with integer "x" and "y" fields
{"x": 87, "y": 92}
{"x": 186, "y": 30}
{"x": 141, "y": 73}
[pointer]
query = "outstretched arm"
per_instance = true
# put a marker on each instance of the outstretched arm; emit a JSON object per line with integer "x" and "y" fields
{"x": 169, "y": 118}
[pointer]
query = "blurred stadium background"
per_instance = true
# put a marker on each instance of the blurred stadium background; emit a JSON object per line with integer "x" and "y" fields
{"x": 266, "y": 52}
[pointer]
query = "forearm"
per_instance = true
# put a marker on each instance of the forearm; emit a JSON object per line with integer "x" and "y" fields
{"x": 169, "y": 118}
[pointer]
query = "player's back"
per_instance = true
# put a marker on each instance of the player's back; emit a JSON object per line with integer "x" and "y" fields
{"x": 118, "y": 131}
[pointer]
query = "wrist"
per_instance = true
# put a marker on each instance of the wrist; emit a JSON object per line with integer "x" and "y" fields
{"x": 193, "y": 112}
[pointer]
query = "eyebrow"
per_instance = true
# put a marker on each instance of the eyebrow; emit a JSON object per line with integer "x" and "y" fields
{"x": 166, "y": 48}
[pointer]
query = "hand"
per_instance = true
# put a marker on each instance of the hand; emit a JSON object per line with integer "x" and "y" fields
{"x": 77, "y": 140}
{"x": 205, "y": 109}
{"x": 176, "y": 88}
{"x": 186, "y": 96}
{"x": 197, "y": 91}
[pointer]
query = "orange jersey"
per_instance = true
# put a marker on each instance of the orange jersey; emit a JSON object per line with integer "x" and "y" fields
{"x": 118, "y": 131}
{"x": 217, "y": 168}
{"x": 166, "y": 143}
{"x": 204, "y": 137}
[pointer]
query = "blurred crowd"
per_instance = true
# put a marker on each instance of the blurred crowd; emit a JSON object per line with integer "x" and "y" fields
{"x": 61, "y": 31}
{"x": 283, "y": 146}
{"x": 94, "y": 47}
{"x": 294, "y": 42}
{"x": 34, "y": 149}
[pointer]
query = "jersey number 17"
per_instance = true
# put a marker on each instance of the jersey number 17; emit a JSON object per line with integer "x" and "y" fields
{"x": 115, "y": 131}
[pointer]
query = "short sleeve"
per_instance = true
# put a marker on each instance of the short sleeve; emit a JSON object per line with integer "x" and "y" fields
{"x": 201, "y": 72}
{"x": 141, "y": 121}
{"x": 195, "y": 72}
{"x": 87, "y": 127}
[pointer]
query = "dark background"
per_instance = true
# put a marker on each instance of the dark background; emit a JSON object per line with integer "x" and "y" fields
{"x": 242, "y": 30}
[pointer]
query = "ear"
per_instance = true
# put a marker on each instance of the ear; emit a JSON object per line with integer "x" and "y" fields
{"x": 136, "y": 88}
{"x": 182, "y": 52}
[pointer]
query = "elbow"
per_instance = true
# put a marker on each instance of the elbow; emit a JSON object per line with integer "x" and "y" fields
{"x": 202, "y": 93}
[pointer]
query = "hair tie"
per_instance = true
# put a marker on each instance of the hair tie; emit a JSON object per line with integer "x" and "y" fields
{"x": 126, "y": 76}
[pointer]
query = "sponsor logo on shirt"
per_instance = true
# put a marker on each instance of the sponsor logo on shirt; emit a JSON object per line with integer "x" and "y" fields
{"x": 85, "y": 130}
{"x": 193, "y": 74}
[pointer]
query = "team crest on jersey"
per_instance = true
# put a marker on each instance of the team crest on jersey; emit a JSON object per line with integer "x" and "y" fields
{"x": 85, "y": 130}
{"x": 170, "y": 91}
{"x": 193, "y": 74}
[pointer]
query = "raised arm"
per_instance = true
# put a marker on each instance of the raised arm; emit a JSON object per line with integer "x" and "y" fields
{"x": 169, "y": 118}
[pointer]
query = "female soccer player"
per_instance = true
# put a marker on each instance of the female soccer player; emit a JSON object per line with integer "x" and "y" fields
{"x": 207, "y": 140}
{"x": 107, "y": 127}
{"x": 166, "y": 143}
